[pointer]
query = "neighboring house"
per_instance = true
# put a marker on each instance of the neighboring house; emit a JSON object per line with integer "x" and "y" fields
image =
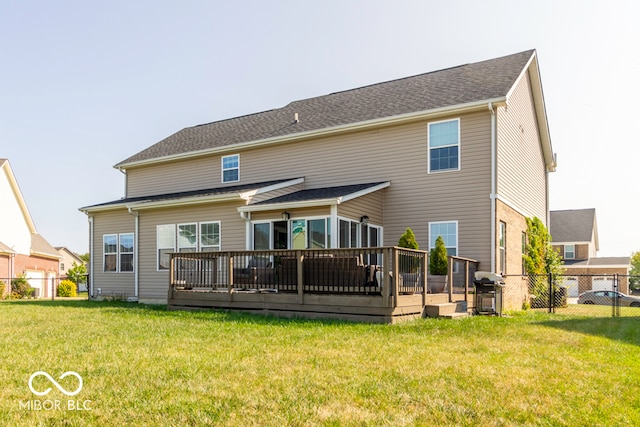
{"x": 68, "y": 259}
{"x": 22, "y": 250}
{"x": 463, "y": 152}
{"x": 574, "y": 234}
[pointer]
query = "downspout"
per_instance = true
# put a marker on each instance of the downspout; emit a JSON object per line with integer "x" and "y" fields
{"x": 91, "y": 255}
{"x": 136, "y": 252}
{"x": 493, "y": 195}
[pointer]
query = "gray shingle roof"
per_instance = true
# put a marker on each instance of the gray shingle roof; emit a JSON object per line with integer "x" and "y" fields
{"x": 575, "y": 225}
{"x": 320, "y": 193}
{"x": 187, "y": 194}
{"x": 439, "y": 89}
{"x": 599, "y": 262}
{"x": 40, "y": 245}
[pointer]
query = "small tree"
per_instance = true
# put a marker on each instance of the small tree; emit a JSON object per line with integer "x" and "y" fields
{"x": 540, "y": 260}
{"x": 540, "y": 257}
{"x": 77, "y": 274}
{"x": 635, "y": 270}
{"x": 438, "y": 262}
{"x": 408, "y": 240}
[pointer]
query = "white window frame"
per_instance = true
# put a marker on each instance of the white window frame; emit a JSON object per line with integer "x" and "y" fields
{"x": 105, "y": 253}
{"x": 253, "y": 233}
{"x": 447, "y": 244}
{"x": 209, "y": 248}
{"x": 132, "y": 253}
{"x": 358, "y": 229}
{"x": 429, "y": 148}
{"x": 193, "y": 248}
{"x": 224, "y": 169}
{"x": 573, "y": 252}
{"x": 118, "y": 253}
{"x": 159, "y": 248}
{"x": 502, "y": 246}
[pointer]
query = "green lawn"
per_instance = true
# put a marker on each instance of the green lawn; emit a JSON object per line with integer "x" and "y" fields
{"x": 143, "y": 365}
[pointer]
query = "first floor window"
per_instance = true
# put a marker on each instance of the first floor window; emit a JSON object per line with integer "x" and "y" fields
{"x": 209, "y": 236}
{"x": 166, "y": 243}
{"x": 449, "y": 232}
{"x": 503, "y": 247}
{"x": 118, "y": 252}
{"x": 110, "y": 244}
{"x": 188, "y": 237}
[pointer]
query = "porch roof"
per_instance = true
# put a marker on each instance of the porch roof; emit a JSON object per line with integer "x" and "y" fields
{"x": 243, "y": 191}
{"x": 317, "y": 197}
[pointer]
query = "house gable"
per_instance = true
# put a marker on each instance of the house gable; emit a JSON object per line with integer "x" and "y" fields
{"x": 16, "y": 225}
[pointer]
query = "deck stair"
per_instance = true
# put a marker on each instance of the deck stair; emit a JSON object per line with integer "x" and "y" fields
{"x": 448, "y": 310}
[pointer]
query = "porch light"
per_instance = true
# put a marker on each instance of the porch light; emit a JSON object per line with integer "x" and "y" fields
{"x": 285, "y": 216}
{"x": 364, "y": 220}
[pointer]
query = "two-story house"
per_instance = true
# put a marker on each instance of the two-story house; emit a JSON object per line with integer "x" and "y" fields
{"x": 22, "y": 250}
{"x": 574, "y": 234}
{"x": 463, "y": 153}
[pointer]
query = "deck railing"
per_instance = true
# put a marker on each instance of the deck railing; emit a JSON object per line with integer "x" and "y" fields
{"x": 384, "y": 271}
{"x": 350, "y": 271}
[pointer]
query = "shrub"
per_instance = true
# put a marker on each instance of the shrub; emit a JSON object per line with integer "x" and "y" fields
{"x": 67, "y": 288}
{"x": 408, "y": 240}
{"x": 438, "y": 262}
{"x": 3, "y": 286}
{"x": 20, "y": 288}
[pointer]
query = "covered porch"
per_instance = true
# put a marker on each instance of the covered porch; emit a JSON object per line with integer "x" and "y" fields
{"x": 380, "y": 284}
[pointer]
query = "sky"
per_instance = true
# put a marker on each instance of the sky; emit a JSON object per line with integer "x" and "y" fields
{"x": 86, "y": 84}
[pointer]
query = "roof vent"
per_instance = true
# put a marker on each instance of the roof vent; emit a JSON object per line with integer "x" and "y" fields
{"x": 295, "y": 118}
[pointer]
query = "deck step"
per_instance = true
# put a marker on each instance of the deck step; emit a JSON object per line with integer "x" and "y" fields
{"x": 447, "y": 309}
{"x": 455, "y": 315}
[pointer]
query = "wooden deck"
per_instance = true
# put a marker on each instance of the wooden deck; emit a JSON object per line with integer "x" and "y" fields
{"x": 378, "y": 285}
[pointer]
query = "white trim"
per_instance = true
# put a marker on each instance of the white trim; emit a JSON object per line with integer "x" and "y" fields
{"x": 564, "y": 247}
{"x": 459, "y": 145}
{"x": 518, "y": 210}
{"x": 351, "y": 127}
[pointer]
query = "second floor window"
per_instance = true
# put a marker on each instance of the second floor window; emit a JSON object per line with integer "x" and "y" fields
{"x": 444, "y": 145}
{"x": 231, "y": 168}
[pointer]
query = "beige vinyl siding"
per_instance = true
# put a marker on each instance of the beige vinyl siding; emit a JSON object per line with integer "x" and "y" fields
{"x": 276, "y": 193}
{"x": 397, "y": 154}
{"x": 111, "y": 283}
{"x": 154, "y": 284}
{"x": 521, "y": 177}
{"x": 370, "y": 205}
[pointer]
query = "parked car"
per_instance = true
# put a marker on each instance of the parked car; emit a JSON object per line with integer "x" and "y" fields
{"x": 605, "y": 298}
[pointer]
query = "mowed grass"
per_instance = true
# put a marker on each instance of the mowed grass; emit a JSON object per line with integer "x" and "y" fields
{"x": 143, "y": 365}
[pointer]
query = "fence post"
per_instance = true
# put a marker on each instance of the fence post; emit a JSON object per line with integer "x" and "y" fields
{"x": 616, "y": 298}
{"x": 385, "y": 282}
{"x": 552, "y": 297}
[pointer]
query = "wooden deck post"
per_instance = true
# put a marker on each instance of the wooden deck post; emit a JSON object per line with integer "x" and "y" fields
{"x": 300, "y": 279}
{"x": 450, "y": 279}
{"x": 385, "y": 283}
{"x": 230, "y": 270}
{"x": 396, "y": 276}
{"x": 423, "y": 274}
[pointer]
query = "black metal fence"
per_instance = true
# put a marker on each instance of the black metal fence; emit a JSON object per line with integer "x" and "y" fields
{"x": 589, "y": 295}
